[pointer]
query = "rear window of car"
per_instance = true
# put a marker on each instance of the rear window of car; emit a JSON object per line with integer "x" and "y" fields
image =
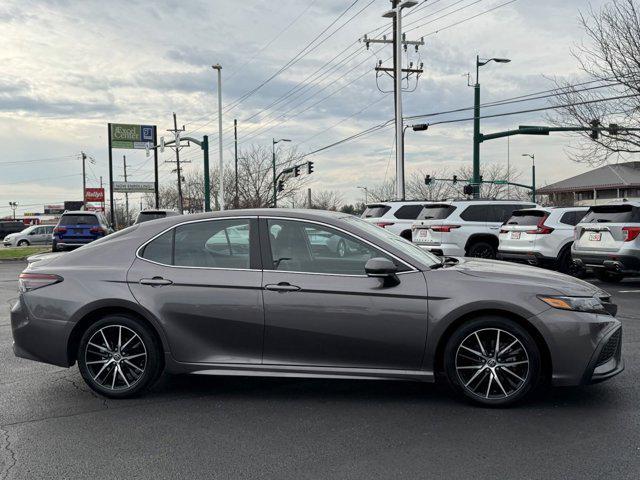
{"x": 612, "y": 214}
{"x": 375, "y": 211}
{"x": 79, "y": 220}
{"x": 408, "y": 212}
{"x": 146, "y": 216}
{"x": 436, "y": 212}
{"x": 526, "y": 217}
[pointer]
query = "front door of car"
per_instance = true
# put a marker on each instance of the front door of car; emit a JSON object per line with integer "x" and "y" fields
{"x": 322, "y": 310}
{"x": 202, "y": 281}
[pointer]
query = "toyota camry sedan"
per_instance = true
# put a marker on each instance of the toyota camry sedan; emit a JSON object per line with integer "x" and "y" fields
{"x": 249, "y": 292}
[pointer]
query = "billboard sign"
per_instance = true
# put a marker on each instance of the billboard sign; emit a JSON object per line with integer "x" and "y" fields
{"x": 94, "y": 195}
{"x": 133, "y": 187}
{"x": 53, "y": 209}
{"x": 131, "y": 136}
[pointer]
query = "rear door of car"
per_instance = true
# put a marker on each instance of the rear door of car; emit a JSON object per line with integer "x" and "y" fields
{"x": 202, "y": 280}
{"x": 431, "y": 215}
{"x": 605, "y": 228}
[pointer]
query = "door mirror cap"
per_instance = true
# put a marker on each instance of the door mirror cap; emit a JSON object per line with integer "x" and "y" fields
{"x": 380, "y": 268}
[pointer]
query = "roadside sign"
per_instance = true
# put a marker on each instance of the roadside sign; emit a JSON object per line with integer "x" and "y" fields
{"x": 53, "y": 209}
{"x": 94, "y": 195}
{"x": 131, "y": 136}
{"x": 95, "y": 208}
{"x": 132, "y": 187}
{"x": 73, "y": 205}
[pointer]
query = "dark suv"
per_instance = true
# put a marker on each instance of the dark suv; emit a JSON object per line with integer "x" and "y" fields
{"x": 8, "y": 227}
{"x": 79, "y": 228}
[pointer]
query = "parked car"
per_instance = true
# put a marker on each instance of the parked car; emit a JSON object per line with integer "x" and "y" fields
{"x": 177, "y": 294}
{"x": 397, "y": 217}
{"x": 78, "y": 228}
{"x": 8, "y": 227}
{"x": 34, "y": 235}
{"x": 607, "y": 241}
{"x": 146, "y": 215}
{"x": 464, "y": 227}
{"x": 541, "y": 237}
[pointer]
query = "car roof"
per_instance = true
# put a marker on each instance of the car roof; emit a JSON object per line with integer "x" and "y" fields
{"x": 79, "y": 212}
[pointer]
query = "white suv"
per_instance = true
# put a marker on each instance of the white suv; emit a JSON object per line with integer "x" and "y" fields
{"x": 397, "y": 217}
{"x": 607, "y": 240}
{"x": 464, "y": 227}
{"x": 541, "y": 237}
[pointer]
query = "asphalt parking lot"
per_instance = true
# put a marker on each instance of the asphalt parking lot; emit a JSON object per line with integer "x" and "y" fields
{"x": 52, "y": 426}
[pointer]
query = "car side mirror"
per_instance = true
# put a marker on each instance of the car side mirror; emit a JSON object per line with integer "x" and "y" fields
{"x": 380, "y": 268}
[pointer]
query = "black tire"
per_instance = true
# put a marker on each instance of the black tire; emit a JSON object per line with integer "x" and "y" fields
{"x": 23, "y": 243}
{"x": 567, "y": 266}
{"x": 608, "y": 277}
{"x": 515, "y": 378}
{"x": 54, "y": 246}
{"x": 482, "y": 250}
{"x": 127, "y": 382}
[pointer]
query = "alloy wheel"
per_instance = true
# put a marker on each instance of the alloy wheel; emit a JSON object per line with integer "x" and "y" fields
{"x": 116, "y": 357}
{"x": 492, "y": 364}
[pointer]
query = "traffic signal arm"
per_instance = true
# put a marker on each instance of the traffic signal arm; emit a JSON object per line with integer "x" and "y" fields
{"x": 612, "y": 129}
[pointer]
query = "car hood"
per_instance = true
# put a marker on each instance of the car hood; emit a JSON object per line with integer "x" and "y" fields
{"x": 11, "y": 236}
{"x": 541, "y": 280}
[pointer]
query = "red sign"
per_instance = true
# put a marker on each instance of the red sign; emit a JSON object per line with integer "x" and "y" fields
{"x": 94, "y": 195}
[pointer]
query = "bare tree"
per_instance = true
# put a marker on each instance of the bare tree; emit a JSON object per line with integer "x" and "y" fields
{"x": 611, "y": 58}
{"x": 327, "y": 200}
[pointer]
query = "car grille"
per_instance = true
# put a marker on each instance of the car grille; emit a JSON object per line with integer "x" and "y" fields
{"x": 611, "y": 348}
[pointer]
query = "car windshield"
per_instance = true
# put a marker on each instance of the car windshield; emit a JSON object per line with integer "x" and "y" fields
{"x": 400, "y": 243}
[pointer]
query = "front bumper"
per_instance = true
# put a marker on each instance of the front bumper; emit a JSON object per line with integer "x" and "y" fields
{"x": 625, "y": 264}
{"x": 607, "y": 360}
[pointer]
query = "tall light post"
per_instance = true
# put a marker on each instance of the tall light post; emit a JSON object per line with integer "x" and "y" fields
{"x": 218, "y": 67}
{"x": 273, "y": 162}
{"x": 366, "y": 194}
{"x": 396, "y": 14}
{"x": 480, "y": 62}
{"x": 13, "y": 206}
{"x": 532, "y": 156}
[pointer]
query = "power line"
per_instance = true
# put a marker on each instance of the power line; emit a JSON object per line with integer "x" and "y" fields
{"x": 36, "y": 160}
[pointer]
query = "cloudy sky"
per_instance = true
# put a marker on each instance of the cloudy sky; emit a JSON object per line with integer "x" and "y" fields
{"x": 69, "y": 67}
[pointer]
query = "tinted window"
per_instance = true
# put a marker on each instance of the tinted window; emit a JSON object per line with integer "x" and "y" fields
{"x": 213, "y": 244}
{"x": 436, "y": 212}
{"x": 612, "y": 214}
{"x": 375, "y": 211}
{"x": 526, "y": 217}
{"x": 160, "y": 249}
{"x": 572, "y": 218}
{"x": 501, "y": 212}
{"x": 408, "y": 212}
{"x": 307, "y": 247}
{"x": 475, "y": 213}
{"x": 79, "y": 220}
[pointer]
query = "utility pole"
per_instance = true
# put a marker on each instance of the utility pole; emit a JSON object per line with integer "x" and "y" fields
{"x": 176, "y": 133}
{"x": 399, "y": 43}
{"x": 102, "y": 203}
{"x": 532, "y": 156}
{"x": 366, "y": 194}
{"x": 236, "y": 199}
{"x": 274, "y": 142}
{"x": 309, "y": 204}
{"x": 84, "y": 180}
{"x": 218, "y": 67}
{"x": 126, "y": 195}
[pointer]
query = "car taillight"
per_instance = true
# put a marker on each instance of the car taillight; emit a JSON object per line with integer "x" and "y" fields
{"x": 384, "y": 224}
{"x": 60, "y": 230}
{"x": 631, "y": 233}
{"x": 541, "y": 228}
{"x": 32, "y": 281}
{"x": 443, "y": 228}
{"x": 97, "y": 230}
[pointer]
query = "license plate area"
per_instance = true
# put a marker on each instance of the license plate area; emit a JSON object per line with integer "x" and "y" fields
{"x": 595, "y": 236}
{"x": 515, "y": 235}
{"x": 424, "y": 235}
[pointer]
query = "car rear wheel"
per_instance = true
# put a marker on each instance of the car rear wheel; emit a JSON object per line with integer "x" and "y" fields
{"x": 609, "y": 277}
{"x": 482, "y": 250}
{"x": 23, "y": 243}
{"x": 567, "y": 266}
{"x": 118, "y": 357}
{"x": 492, "y": 361}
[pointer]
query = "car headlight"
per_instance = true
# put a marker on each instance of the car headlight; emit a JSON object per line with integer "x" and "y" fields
{"x": 578, "y": 304}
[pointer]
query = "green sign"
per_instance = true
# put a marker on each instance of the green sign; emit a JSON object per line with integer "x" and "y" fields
{"x": 131, "y": 136}
{"x": 500, "y": 182}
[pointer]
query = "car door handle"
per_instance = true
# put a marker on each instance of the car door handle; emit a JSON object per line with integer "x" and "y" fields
{"x": 282, "y": 287}
{"x": 155, "y": 281}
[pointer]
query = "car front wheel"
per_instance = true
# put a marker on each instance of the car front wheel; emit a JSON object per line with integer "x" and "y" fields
{"x": 23, "y": 243}
{"x": 482, "y": 250}
{"x": 118, "y": 357}
{"x": 492, "y": 361}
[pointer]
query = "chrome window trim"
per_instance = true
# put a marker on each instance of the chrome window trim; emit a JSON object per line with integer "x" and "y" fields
{"x": 257, "y": 217}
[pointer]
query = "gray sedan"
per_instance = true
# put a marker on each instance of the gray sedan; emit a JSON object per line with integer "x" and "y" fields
{"x": 249, "y": 292}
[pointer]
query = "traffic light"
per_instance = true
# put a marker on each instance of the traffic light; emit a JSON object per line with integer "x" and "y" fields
{"x": 595, "y": 133}
{"x": 614, "y": 129}
{"x": 427, "y": 180}
{"x": 468, "y": 190}
{"x": 309, "y": 168}
{"x": 280, "y": 185}
{"x": 296, "y": 171}
{"x": 455, "y": 179}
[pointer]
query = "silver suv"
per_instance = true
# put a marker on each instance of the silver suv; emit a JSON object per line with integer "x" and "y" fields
{"x": 34, "y": 235}
{"x": 607, "y": 240}
{"x": 396, "y": 217}
{"x": 461, "y": 228}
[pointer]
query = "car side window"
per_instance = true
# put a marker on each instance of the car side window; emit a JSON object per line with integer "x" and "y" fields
{"x": 312, "y": 248}
{"x": 160, "y": 249}
{"x": 570, "y": 218}
{"x": 408, "y": 212}
{"x": 213, "y": 244}
{"x": 475, "y": 213}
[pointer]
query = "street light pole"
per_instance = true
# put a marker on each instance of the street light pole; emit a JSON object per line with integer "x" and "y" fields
{"x": 532, "y": 156}
{"x": 476, "y": 122}
{"x": 273, "y": 163}
{"x": 218, "y": 67}
{"x": 366, "y": 194}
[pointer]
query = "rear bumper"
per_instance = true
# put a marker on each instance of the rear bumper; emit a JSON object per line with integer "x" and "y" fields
{"x": 626, "y": 264}
{"x": 443, "y": 249}
{"x": 530, "y": 258}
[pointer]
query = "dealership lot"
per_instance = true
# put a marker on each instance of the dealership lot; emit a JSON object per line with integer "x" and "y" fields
{"x": 51, "y": 426}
